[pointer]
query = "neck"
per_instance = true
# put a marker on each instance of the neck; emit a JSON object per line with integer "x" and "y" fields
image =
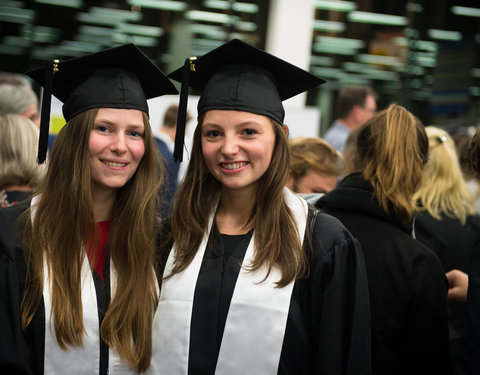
{"x": 168, "y": 131}
{"x": 349, "y": 123}
{"x": 102, "y": 205}
{"x": 234, "y": 210}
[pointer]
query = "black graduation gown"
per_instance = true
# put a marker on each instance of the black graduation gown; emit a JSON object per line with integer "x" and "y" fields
{"x": 407, "y": 285}
{"x": 452, "y": 242}
{"x": 23, "y": 352}
{"x": 468, "y": 361}
{"x": 327, "y": 329}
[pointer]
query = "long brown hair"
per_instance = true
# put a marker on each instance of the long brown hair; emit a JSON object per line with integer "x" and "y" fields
{"x": 275, "y": 232}
{"x": 63, "y": 227}
{"x": 393, "y": 147}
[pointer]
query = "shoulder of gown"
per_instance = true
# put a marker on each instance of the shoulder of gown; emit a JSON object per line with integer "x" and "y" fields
{"x": 468, "y": 360}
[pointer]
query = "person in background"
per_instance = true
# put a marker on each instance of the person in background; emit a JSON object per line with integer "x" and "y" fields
{"x": 354, "y": 106}
{"x": 350, "y": 155}
{"x": 462, "y": 141}
{"x": 315, "y": 166}
{"x": 256, "y": 281}
{"x": 20, "y": 174}
{"x": 445, "y": 219}
{"x": 466, "y": 287}
{"x": 165, "y": 138}
{"x": 18, "y": 97}
{"x": 78, "y": 288}
{"x": 166, "y": 133}
{"x": 407, "y": 285}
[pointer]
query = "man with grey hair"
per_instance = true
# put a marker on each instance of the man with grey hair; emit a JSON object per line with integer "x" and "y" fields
{"x": 18, "y": 97}
{"x": 355, "y": 105}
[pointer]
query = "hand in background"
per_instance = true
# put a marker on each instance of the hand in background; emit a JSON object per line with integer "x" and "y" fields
{"x": 457, "y": 285}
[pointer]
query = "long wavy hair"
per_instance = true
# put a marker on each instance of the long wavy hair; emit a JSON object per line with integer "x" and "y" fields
{"x": 443, "y": 188}
{"x": 392, "y": 148}
{"x": 64, "y": 225}
{"x": 275, "y": 231}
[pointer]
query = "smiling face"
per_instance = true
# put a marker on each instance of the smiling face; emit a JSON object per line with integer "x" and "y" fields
{"x": 116, "y": 146}
{"x": 237, "y": 147}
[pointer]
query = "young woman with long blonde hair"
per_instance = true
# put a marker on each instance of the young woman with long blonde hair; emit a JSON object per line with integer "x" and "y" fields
{"x": 445, "y": 219}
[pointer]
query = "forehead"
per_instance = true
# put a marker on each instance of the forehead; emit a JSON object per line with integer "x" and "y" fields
{"x": 233, "y": 117}
{"x": 318, "y": 181}
{"x": 120, "y": 115}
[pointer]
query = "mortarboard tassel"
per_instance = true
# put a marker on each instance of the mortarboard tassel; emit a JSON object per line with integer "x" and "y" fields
{"x": 182, "y": 109}
{"x": 45, "y": 114}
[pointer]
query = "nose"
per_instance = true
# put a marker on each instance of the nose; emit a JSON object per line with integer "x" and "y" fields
{"x": 230, "y": 145}
{"x": 119, "y": 144}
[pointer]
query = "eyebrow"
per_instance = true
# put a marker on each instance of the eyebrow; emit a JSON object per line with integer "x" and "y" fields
{"x": 101, "y": 121}
{"x": 245, "y": 123}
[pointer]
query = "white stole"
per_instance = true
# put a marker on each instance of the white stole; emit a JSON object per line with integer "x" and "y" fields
{"x": 81, "y": 360}
{"x": 256, "y": 321}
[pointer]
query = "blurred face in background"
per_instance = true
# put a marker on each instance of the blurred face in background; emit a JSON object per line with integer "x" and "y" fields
{"x": 32, "y": 114}
{"x": 366, "y": 112}
{"x": 312, "y": 182}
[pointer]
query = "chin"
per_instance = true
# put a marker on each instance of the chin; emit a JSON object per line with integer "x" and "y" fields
{"x": 115, "y": 185}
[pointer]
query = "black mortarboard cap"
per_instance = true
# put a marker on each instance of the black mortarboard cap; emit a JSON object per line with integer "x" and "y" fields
{"x": 238, "y": 76}
{"x": 119, "y": 77}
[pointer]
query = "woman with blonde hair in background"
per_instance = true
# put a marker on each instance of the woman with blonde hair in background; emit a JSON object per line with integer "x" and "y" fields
{"x": 445, "y": 219}
{"x": 20, "y": 174}
{"x": 407, "y": 285}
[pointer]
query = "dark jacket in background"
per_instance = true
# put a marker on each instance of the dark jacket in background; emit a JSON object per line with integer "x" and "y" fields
{"x": 407, "y": 285}
{"x": 468, "y": 361}
{"x": 452, "y": 242}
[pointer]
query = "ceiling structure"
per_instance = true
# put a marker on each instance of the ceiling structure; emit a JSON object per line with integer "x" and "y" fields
{"x": 423, "y": 53}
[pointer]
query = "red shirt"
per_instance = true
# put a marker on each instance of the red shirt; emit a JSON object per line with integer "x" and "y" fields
{"x": 103, "y": 229}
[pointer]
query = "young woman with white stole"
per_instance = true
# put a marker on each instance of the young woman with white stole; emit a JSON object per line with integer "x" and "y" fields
{"x": 257, "y": 281}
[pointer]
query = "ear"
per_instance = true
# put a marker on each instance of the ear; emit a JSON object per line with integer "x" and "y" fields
{"x": 285, "y": 130}
{"x": 356, "y": 112}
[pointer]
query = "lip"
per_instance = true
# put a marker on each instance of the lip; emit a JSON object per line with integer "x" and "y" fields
{"x": 233, "y": 167}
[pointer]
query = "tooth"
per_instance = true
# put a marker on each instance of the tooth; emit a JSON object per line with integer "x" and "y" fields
{"x": 234, "y": 165}
{"x": 114, "y": 164}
